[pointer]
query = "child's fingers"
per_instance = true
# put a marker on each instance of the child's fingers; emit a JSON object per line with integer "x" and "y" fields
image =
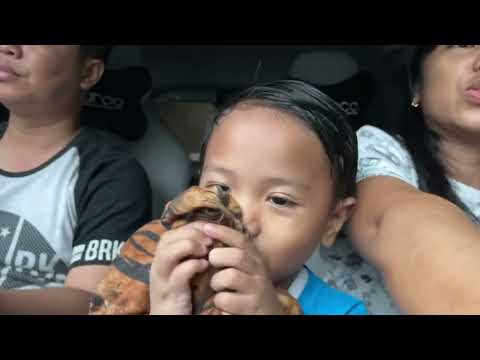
{"x": 187, "y": 243}
{"x": 231, "y": 280}
{"x": 183, "y": 273}
{"x": 192, "y": 230}
{"x": 226, "y": 235}
{"x": 189, "y": 231}
{"x": 233, "y": 303}
{"x": 232, "y": 257}
{"x": 173, "y": 295}
{"x": 197, "y": 225}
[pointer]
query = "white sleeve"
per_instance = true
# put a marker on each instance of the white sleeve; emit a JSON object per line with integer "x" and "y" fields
{"x": 380, "y": 154}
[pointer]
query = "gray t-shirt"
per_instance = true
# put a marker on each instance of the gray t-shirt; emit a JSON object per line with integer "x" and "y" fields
{"x": 380, "y": 154}
{"x": 76, "y": 209}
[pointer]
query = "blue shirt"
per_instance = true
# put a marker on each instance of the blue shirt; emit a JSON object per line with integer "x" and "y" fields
{"x": 318, "y": 298}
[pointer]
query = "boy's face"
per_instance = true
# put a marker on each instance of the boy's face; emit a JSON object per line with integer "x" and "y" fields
{"x": 279, "y": 173}
{"x": 32, "y": 74}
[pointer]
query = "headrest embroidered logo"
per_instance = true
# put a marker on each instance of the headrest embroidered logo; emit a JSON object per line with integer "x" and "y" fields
{"x": 351, "y": 108}
{"x": 97, "y": 100}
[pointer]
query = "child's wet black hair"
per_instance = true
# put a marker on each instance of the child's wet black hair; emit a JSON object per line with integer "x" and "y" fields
{"x": 318, "y": 112}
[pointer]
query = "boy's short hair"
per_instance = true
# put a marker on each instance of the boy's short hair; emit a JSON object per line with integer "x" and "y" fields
{"x": 318, "y": 112}
{"x": 101, "y": 52}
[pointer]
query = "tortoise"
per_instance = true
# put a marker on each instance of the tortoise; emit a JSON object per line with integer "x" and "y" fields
{"x": 125, "y": 289}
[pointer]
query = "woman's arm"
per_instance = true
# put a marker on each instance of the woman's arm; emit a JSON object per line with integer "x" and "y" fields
{"x": 427, "y": 249}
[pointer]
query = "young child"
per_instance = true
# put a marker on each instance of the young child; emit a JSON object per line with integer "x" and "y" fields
{"x": 289, "y": 158}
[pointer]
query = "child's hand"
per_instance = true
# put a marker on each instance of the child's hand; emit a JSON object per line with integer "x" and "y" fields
{"x": 244, "y": 286}
{"x": 176, "y": 262}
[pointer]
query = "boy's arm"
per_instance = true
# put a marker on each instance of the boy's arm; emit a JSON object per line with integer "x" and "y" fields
{"x": 73, "y": 299}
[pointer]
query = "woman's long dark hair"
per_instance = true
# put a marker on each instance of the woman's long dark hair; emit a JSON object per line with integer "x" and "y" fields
{"x": 409, "y": 123}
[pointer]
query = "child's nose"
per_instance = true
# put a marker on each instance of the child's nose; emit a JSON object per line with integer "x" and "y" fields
{"x": 252, "y": 221}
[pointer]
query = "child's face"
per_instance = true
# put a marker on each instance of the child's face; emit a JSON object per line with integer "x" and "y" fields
{"x": 278, "y": 171}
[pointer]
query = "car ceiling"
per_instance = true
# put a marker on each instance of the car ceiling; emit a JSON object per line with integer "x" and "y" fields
{"x": 213, "y": 67}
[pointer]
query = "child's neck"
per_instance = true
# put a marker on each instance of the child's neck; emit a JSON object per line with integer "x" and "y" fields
{"x": 285, "y": 283}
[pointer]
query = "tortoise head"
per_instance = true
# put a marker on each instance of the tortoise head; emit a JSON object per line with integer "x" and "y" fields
{"x": 211, "y": 205}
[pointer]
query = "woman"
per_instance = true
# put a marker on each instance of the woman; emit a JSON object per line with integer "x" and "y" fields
{"x": 419, "y": 192}
{"x": 69, "y": 196}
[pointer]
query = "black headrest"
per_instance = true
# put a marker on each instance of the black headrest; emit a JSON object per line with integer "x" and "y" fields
{"x": 338, "y": 75}
{"x": 114, "y": 104}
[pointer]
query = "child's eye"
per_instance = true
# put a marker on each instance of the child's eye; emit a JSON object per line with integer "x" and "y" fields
{"x": 281, "y": 201}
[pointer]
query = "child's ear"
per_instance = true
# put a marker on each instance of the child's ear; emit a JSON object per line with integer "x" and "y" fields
{"x": 92, "y": 72}
{"x": 338, "y": 217}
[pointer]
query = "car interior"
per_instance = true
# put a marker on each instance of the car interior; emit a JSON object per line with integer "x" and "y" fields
{"x": 159, "y": 99}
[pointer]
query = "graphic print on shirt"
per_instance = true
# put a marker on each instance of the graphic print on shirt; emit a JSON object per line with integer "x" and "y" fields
{"x": 25, "y": 256}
